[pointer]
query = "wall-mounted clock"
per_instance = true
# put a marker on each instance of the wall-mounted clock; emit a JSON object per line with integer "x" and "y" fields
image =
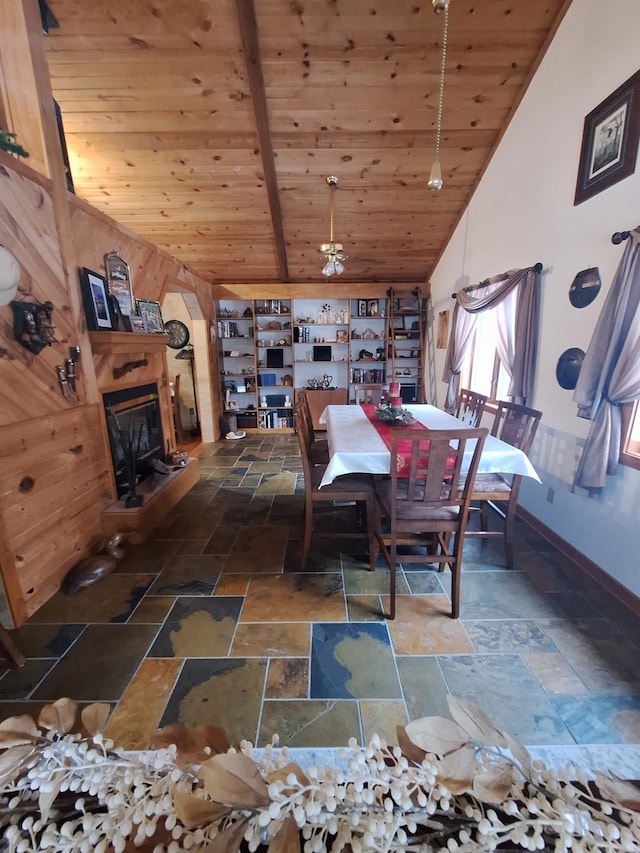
{"x": 178, "y": 334}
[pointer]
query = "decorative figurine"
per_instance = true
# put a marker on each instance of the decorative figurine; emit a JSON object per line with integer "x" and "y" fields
{"x": 93, "y": 569}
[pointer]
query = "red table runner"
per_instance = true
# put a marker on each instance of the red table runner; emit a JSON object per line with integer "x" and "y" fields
{"x": 385, "y": 430}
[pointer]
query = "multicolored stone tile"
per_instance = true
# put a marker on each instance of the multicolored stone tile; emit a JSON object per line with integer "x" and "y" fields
{"x": 45, "y": 641}
{"x": 309, "y": 722}
{"x": 232, "y": 585}
{"x": 198, "y": 628}
{"x": 111, "y": 599}
{"x": 195, "y": 574}
{"x": 140, "y": 709}
{"x": 423, "y": 583}
{"x": 226, "y": 693}
{"x": 152, "y": 609}
{"x": 423, "y": 626}
{"x": 295, "y": 598}
{"x": 600, "y": 719}
{"x": 508, "y": 635}
{"x": 381, "y": 717}
{"x": 258, "y": 549}
{"x": 359, "y": 581}
{"x": 365, "y": 608}
{"x": 425, "y": 690}
{"x": 341, "y": 656}
{"x": 267, "y": 639}
{"x": 500, "y": 595}
{"x": 287, "y": 678}
{"x": 503, "y": 687}
{"x": 99, "y": 665}
{"x": 554, "y": 673}
{"x": 20, "y": 683}
{"x": 597, "y": 652}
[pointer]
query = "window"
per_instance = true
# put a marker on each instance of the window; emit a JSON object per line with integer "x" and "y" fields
{"x": 483, "y": 371}
{"x": 630, "y": 451}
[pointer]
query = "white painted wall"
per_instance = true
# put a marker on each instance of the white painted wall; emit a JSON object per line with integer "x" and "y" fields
{"x": 523, "y": 212}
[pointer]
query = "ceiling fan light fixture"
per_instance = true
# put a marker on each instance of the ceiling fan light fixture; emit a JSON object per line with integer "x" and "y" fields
{"x": 435, "y": 178}
{"x": 332, "y": 251}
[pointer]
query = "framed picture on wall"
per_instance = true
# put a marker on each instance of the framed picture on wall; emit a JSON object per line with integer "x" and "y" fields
{"x": 610, "y": 141}
{"x": 96, "y": 301}
{"x": 362, "y": 307}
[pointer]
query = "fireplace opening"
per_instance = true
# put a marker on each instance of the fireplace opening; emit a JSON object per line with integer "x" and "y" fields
{"x": 134, "y": 413}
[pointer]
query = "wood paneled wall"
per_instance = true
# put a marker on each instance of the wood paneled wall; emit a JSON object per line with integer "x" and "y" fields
{"x": 55, "y": 472}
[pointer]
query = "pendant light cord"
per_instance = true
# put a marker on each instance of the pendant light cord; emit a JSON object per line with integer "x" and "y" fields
{"x": 443, "y": 62}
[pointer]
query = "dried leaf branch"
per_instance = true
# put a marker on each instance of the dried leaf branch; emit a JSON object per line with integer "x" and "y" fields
{"x": 452, "y": 785}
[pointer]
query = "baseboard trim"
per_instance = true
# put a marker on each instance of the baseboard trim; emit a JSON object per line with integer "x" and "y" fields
{"x": 583, "y": 563}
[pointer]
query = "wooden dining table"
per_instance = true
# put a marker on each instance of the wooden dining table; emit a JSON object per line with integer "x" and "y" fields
{"x": 356, "y": 446}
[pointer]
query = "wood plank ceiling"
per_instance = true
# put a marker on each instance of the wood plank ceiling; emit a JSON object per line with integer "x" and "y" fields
{"x": 209, "y": 126}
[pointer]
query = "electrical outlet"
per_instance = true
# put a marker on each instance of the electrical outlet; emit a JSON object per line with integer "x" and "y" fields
{"x": 551, "y": 494}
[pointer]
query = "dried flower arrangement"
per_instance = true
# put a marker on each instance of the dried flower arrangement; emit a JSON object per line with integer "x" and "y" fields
{"x": 452, "y": 785}
{"x": 393, "y": 415}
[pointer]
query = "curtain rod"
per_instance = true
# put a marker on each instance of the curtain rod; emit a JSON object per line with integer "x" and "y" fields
{"x": 619, "y": 236}
{"x": 493, "y": 280}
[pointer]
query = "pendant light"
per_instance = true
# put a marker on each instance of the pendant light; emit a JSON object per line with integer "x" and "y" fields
{"x": 435, "y": 178}
{"x": 332, "y": 251}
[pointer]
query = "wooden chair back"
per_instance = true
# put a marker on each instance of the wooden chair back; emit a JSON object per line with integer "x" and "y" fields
{"x": 368, "y": 394}
{"x": 516, "y": 424}
{"x": 428, "y": 494}
{"x": 470, "y": 407}
{"x": 426, "y": 473}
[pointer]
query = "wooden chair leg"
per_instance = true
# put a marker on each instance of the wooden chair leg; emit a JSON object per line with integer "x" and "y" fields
{"x": 456, "y": 571}
{"x": 509, "y": 520}
{"x": 392, "y": 578}
{"x": 374, "y": 546}
{"x": 306, "y": 536}
{"x": 9, "y": 649}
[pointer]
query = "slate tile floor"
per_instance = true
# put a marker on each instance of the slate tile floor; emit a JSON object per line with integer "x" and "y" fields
{"x": 212, "y": 621}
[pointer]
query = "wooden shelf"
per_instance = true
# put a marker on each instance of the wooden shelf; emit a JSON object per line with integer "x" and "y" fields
{"x": 117, "y": 343}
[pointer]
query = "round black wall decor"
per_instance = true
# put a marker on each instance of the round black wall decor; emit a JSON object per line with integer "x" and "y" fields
{"x": 568, "y": 367}
{"x": 585, "y": 287}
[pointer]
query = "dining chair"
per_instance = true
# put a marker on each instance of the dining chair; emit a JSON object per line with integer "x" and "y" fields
{"x": 470, "y": 407}
{"x": 368, "y": 394}
{"x": 425, "y": 494}
{"x": 516, "y": 425}
{"x": 349, "y": 488}
{"x": 319, "y": 446}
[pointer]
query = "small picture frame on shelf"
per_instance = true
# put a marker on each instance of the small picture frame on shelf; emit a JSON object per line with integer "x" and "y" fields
{"x": 342, "y": 336}
{"x": 152, "y": 315}
{"x": 372, "y": 308}
{"x": 362, "y": 307}
{"x": 96, "y": 301}
{"x": 138, "y": 324}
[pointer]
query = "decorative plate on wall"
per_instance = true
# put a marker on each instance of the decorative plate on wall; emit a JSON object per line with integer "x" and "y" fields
{"x": 178, "y": 334}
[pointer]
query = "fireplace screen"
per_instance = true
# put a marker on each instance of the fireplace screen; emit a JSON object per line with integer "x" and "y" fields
{"x": 133, "y": 420}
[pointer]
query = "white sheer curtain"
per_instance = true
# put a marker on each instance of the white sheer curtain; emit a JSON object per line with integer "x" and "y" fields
{"x": 462, "y": 327}
{"x": 610, "y": 373}
{"x": 519, "y": 323}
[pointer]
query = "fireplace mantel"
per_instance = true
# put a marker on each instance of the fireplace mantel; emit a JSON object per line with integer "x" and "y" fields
{"x": 117, "y": 343}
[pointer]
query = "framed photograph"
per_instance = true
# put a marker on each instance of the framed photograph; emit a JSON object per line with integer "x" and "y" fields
{"x": 342, "y": 336}
{"x": 96, "y": 301}
{"x": 152, "y": 315}
{"x": 119, "y": 282}
{"x": 372, "y": 307}
{"x": 362, "y": 307}
{"x": 610, "y": 141}
{"x": 138, "y": 324}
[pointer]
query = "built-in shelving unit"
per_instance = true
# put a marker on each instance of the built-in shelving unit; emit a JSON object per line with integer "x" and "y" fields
{"x": 272, "y": 348}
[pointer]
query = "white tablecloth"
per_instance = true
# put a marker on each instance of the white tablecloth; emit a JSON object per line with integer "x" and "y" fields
{"x": 356, "y": 446}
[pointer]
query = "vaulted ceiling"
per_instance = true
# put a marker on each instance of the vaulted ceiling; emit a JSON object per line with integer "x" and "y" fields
{"x": 209, "y": 126}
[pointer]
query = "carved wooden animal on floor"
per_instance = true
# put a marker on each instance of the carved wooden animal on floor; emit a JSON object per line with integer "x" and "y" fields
{"x": 92, "y": 569}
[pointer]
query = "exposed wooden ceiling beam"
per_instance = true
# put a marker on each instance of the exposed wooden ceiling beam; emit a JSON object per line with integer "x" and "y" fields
{"x": 249, "y": 32}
